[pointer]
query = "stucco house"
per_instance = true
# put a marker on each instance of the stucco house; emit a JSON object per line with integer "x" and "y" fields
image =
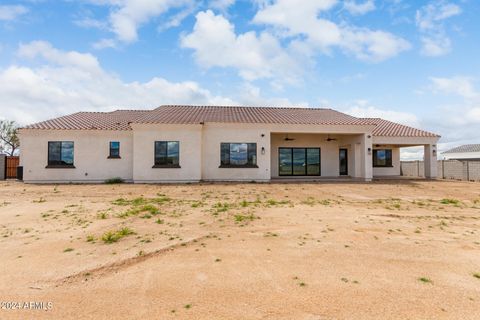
{"x": 465, "y": 152}
{"x": 214, "y": 143}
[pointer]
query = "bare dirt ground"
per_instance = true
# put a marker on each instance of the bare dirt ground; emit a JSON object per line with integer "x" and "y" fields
{"x": 383, "y": 250}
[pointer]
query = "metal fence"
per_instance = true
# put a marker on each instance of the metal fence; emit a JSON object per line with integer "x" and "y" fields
{"x": 447, "y": 169}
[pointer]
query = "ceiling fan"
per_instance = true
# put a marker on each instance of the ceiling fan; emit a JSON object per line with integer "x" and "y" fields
{"x": 330, "y": 139}
{"x": 288, "y": 139}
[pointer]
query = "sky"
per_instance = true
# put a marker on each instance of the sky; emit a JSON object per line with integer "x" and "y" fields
{"x": 413, "y": 62}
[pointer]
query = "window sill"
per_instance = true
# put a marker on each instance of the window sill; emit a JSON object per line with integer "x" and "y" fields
{"x": 383, "y": 166}
{"x": 110, "y": 157}
{"x": 60, "y": 166}
{"x": 166, "y": 166}
{"x": 238, "y": 167}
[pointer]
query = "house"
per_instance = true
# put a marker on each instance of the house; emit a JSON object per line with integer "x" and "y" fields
{"x": 465, "y": 152}
{"x": 214, "y": 143}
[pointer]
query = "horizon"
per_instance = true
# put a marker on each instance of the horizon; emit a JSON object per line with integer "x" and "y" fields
{"x": 414, "y": 64}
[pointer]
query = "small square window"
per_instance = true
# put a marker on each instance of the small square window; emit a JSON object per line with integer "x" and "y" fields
{"x": 114, "y": 150}
{"x": 382, "y": 158}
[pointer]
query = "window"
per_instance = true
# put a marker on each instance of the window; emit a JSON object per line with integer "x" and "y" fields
{"x": 167, "y": 154}
{"x": 382, "y": 158}
{"x": 114, "y": 150}
{"x": 60, "y": 154}
{"x": 238, "y": 155}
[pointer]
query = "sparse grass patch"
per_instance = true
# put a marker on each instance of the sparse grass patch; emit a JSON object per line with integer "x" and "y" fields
{"x": 425, "y": 280}
{"x": 477, "y": 275}
{"x": 270, "y": 234}
{"x": 114, "y": 236}
{"x": 102, "y": 215}
{"x": 450, "y": 201}
{"x": 273, "y": 202}
{"x": 241, "y": 217}
{"x": 90, "y": 238}
{"x": 150, "y": 209}
{"x": 41, "y": 200}
{"x": 68, "y": 250}
{"x": 310, "y": 201}
{"x": 221, "y": 207}
{"x": 196, "y": 204}
{"x": 324, "y": 202}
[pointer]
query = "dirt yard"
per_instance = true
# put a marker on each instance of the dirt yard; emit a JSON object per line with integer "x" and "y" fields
{"x": 382, "y": 250}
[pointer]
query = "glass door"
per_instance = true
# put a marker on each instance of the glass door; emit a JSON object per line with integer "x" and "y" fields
{"x": 299, "y": 161}
{"x": 285, "y": 162}
{"x": 343, "y": 162}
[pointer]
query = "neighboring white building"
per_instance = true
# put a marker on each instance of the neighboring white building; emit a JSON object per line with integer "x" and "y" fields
{"x": 208, "y": 143}
{"x": 465, "y": 152}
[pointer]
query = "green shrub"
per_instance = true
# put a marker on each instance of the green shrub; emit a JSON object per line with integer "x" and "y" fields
{"x": 115, "y": 180}
{"x": 114, "y": 236}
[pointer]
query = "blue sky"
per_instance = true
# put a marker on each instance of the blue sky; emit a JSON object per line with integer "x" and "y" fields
{"x": 414, "y": 62}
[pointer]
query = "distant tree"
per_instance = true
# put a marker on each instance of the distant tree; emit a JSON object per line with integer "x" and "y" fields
{"x": 9, "y": 142}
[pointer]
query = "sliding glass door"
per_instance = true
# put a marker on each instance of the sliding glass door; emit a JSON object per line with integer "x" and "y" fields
{"x": 299, "y": 161}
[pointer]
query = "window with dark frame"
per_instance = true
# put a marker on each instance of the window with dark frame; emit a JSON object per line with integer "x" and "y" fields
{"x": 114, "y": 150}
{"x": 299, "y": 161}
{"x": 60, "y": 154}
{"x": 238, "y": 155}
{"x": 167, "y": 154}
{"x": 382, "y": 158}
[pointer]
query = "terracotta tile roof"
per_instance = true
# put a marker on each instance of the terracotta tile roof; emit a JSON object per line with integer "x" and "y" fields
{"x": 121, "y": 119}
{"x": 465, "y": 148}
{"x": 223, "y": 114}
{"x": 385, "y": 128}
{"x": 115, "y": 120}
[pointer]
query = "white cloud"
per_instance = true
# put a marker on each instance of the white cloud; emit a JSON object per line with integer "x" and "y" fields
{"x": 43, "y": 49}
{"x": 127, "y": 16}
{"x": 221, "y": 5}
{"x": 255, "y": 56}
{"x": 88, "y": 22}
{"x": 252, "y": 96}
{"x": 66, "y": 82}
{"x": 104, "y": 43}
{"x": 462, "y": 86}
{"x": 374, "y": 46}
{"x": 359, "y": 8}
{"x": 11, "y": 12}
{"x": 436, "y": 45}
{"x": 293, "y": 20}
{"x": 430, "y": 22}
{"x": 363, "y": 109}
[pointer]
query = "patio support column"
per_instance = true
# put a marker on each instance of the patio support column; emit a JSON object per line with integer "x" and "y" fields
{"x": 366, "y": 153}
{"x": 430, "y": 156}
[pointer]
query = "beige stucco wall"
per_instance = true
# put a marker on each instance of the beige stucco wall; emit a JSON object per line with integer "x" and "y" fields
{"x": 199, "y": 152}
{"x": 216, "y": 133}
{"x": 91, "y": 149}
{"x": 190, "y": 143}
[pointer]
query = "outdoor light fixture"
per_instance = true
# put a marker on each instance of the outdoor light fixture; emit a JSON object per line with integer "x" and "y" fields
{"x": 369, "y": 136}
{"x": 369, "y": 151}
{"x": 263, "y": 135}
{"x": 434, "y": 152}
{"x": 263, "y": 150}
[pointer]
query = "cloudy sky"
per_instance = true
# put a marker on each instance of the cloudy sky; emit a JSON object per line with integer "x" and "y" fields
{"x": 414, "y": 62}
